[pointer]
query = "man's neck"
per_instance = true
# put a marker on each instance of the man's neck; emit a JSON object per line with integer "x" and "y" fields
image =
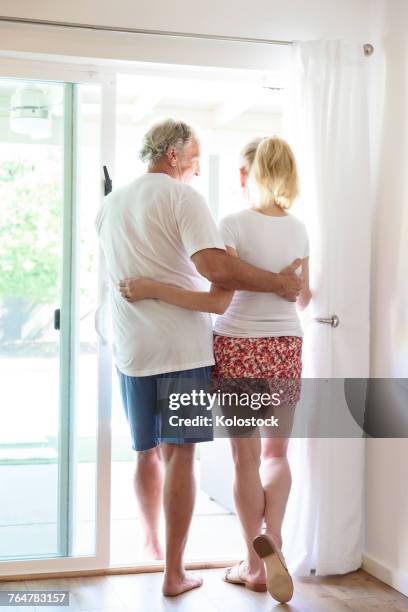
{"x": 162, "y": 168}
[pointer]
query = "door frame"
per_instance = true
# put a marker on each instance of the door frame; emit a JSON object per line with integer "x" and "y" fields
{"x": 106, "y": 76}
{"x": 72, "y": 75}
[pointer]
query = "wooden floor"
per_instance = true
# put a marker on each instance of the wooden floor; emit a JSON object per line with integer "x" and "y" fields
{"x": 141, "y": 593}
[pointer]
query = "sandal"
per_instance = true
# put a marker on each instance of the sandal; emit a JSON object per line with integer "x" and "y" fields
{"x": 278, "y": 580}
{"x": 233, "y": 576}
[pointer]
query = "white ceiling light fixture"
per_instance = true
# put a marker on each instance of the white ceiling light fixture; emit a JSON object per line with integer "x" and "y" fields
{"x": 30, "y": 114}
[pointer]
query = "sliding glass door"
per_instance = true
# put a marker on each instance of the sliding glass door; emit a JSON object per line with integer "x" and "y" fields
{"x": 34, "y": 179}
{"x": 50, "y": 190}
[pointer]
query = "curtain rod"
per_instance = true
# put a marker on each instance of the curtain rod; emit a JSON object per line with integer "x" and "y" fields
{"x": 368, "y": 48}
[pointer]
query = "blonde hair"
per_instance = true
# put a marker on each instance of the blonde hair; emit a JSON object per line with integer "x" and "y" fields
{"x": 247, "y": 154}
{"x": 167, "y": 133}
{"x": 275, "y": 171}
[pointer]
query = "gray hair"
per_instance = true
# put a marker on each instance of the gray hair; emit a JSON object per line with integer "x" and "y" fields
{"x": 167, "y": 133}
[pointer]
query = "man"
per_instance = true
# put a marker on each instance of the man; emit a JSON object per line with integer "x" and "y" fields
{"x": 159, "y": 227}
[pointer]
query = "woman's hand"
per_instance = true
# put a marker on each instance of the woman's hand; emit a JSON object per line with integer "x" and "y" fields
{"x": 136, "y": 289}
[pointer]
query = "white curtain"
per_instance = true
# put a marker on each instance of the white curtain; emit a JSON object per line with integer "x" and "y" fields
{"x": 328, "y": 129}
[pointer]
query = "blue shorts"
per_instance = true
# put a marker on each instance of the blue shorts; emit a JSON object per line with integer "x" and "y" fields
{"x": 150, "y": 408}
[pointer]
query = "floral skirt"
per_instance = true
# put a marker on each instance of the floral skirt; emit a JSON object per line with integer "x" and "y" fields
{"x": 275, "y": 363}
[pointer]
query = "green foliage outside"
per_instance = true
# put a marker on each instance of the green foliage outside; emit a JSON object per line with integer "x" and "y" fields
{"x": 31, "y": 220}
{"x": 29, "y": 232}
{"x": 30, "y": 241}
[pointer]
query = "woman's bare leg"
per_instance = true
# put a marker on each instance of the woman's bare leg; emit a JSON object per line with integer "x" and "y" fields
{"x": 249, "y": 500}
{"x": 276, "y": 482}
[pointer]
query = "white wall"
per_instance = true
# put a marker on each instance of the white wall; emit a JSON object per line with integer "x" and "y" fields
{"x": 387, "y": 467}
{"x": 261, "y": 18}
{"x": 282, "y": 19}
{"x": 390, "y": 252}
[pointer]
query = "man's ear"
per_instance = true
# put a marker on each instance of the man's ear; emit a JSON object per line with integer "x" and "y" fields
{"x": 243, "y": 177}
{"x": 171, "y": 156}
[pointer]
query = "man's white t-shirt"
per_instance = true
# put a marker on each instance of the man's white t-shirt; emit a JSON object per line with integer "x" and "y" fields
{"x": 151, "y": 228}
{"x": 270, "y": 243}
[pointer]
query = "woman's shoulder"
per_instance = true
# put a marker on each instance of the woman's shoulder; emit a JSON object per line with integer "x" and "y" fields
{"x": 295, "y": 220}
{"x": 299, "y": 229}
{"x": 233, "y": 217}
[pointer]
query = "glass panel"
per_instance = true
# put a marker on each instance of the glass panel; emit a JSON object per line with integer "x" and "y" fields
{"x": 31, "y": 202}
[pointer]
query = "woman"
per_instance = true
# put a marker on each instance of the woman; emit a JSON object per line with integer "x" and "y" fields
{"x": 257, "y": 336}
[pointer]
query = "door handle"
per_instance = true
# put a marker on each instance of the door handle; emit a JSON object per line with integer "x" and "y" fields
{"x": 107, "y": 181}
{"x": 57, "y": 319}
{"x": 334, "y": 321}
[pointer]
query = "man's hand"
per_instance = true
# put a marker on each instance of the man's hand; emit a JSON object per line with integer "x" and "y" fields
{"x": 290, "y": 282}
{"x": 231, "y": 273}
{"x": 136, "y": 289}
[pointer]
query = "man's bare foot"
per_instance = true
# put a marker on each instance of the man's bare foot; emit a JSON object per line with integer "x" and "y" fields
{"x": 173, "y": 586}
{"x": 152, "y": 550}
